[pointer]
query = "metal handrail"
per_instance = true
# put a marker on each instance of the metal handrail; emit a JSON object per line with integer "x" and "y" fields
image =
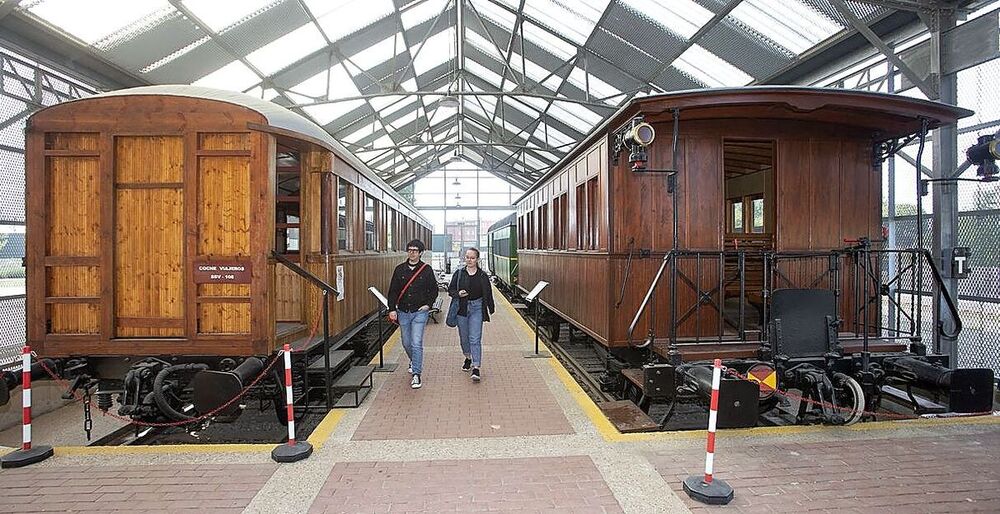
{"x": 947, "y": 298}
{"x": 645, "y": 301}
{"x": 300, "y": 271}
{"x": 327, "y": 290}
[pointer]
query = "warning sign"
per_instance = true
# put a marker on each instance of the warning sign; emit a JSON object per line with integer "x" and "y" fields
{"x": 765, "y": 376}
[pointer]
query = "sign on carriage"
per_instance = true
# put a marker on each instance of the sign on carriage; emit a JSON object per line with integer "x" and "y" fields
{"x": 222, "y": 273}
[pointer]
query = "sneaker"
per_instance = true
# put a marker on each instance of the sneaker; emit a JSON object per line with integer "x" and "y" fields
{"x": 415, "y": 382}
{"x": 467, "y": 366}
{"x": 475, "y": 374}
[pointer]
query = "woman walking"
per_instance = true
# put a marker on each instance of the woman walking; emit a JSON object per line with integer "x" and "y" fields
{"x": 475, "y": 304}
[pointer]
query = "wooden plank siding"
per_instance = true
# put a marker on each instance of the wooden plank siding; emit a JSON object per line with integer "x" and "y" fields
{"x": 128, "y": 194}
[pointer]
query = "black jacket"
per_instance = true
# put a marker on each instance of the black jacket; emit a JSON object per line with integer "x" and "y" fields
{"x": 460, "y": 280}
{"x": 423, "y": 290}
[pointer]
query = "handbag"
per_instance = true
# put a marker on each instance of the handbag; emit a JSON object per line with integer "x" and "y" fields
{"x": 407, "y": 286}
{"x": 452, "y": 319}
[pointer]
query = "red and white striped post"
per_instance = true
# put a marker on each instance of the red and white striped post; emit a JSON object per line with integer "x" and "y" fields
{"x": 294, "y": 450}
{"x": 26, "y": 455}
{"x": 706, "y": 489}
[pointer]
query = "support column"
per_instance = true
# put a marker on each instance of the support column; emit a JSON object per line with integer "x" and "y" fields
{"x": 944, "y": 231}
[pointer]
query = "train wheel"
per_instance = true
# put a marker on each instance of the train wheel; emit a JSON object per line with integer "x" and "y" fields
{"x": 849, "y": 397}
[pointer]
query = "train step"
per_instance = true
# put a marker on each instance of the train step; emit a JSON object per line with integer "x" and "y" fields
{"x": 355, "y": 384}
{"x": 338, "y": 359}
{"x": 627, "y": 417}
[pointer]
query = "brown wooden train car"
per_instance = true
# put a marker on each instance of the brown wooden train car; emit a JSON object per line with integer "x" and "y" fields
{"x": 155, "y": 215}
{"x": 770, "y": 169}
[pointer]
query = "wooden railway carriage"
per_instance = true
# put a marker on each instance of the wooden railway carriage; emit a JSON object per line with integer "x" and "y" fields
{"x": 764, "y": 168}
{"x": 167, "y": 221}
{"x": 502, "y": 238}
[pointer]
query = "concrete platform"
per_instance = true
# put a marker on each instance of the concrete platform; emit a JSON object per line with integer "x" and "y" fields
{"x": 525, "y": 439}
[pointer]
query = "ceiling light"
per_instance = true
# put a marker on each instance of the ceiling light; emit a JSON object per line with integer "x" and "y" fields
{"x": 449, "y": 102}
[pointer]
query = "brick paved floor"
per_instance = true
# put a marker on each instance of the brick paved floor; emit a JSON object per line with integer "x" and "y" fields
{"x": 511, "y": 400}
{"x": 959, "y": 473}
{"x": 171, "y": 488}
{"x": 541, "y": 484}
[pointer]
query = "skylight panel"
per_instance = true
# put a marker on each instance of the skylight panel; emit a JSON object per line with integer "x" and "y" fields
{"x": 341, "y": 83}
{"x": 175, "y": 55}
{"x": 514, "y": 104}
{"x": 94, "y": 20}
{"x": 314, "y": 86}
{"x": 497, "y": 14}
{"x": 234, "y": 76}
{"x": 550, "y": 43}
{"x": 376, "y": 54}
{"x": 575, "y": 112}
{"x": 420, "y": 12}
{"x": 554, "y": 137}
{"x": 381, "y": 102}
{"x": 574, "y": 20}
{"x": 340, "y": 18}
{"x": 597, "y": 87}
{"x": 325, "y": 113}
{"x": 440, "y": 117}
{"x": 709, "y": 69}
{"x": 287, "y": 49}
{"x": 405, "y": 119}
{"x": 365, "y": 131}
{"x": 683, "y": 17}
{"x": 409, "y": 103}
{"x": 437, "y": 50}
{"x": 484, "y": 45}
{"x": 472, "y": 105}
{"x": 534, "y": 71}
{"x": 482, "y": 72}
{"x": 531, "y": 161}
{"x": 219, "y": 15}
{"x": 789, "y": 23}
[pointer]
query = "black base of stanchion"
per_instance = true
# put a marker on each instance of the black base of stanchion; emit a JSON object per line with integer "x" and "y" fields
{"x": 20, "y": 458}
{"x": 292, "y": 452}
{"x": 539, "y": 355}
{"x": 716, "y": 493}
{"x": 388, "y": 367}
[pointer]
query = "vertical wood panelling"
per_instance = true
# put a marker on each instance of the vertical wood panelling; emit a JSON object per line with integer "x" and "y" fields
{"x": 224, "y": 206}
{"x": 288, "y": 295}
{"x": 73, "y": 202}
{"x": 824, "y": 185}
{"x": 148, "y": 241}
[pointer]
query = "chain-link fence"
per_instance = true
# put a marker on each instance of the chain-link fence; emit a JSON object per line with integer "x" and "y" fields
{"x": 25, "y": 87}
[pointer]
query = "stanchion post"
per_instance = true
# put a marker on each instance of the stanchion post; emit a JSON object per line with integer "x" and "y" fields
{"x": 708, "y": 489}
{"x": 294, "y": 450}
{"x": 28, "y": 454}
{"x": 536, "y": 305}
{"x": 383, "y": 311}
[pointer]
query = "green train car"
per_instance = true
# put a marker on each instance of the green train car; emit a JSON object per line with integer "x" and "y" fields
{"x": 502, "y": 238}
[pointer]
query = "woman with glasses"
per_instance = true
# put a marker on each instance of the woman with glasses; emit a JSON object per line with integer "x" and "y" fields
{"x": 475, "y": 304}
{"x": 412, "y": 291}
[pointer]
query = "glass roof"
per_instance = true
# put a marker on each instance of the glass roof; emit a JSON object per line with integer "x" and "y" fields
{"x": 530, "y": 77}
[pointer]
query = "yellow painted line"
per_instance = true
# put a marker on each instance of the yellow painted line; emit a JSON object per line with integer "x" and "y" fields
{"x": 610, "y": 433}
{"x": 326, "y": 427}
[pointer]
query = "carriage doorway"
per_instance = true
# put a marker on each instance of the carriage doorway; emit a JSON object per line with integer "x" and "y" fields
{"x": 749, "y": 206}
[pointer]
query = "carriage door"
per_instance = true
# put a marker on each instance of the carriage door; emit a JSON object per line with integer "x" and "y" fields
{"x": 749, "y": 213}
{"x": 148, "y": 245}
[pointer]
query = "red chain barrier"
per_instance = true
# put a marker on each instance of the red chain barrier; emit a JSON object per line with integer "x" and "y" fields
{"x": 77, "y": 397}
{"x": 793, "y": 396}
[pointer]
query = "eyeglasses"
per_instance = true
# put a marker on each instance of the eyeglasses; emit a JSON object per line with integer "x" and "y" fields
{"x": 413, "y": 249}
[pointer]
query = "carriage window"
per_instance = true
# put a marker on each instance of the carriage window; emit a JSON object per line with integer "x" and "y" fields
{"x": 287, "y": 196}
{"x": 581, "y": 218}
{"x": 370, "y": 223}
{"x": 736, "y": 216}
{"x": 593, "y": 196}
{"x": 563, "y": 221}
{"x": 757, "y": 209}
{"x": 390, "y": 220}
{"x": 342, "y": 192}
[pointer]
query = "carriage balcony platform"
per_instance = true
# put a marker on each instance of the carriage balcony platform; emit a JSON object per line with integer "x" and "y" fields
{"x": 526, "y": 438}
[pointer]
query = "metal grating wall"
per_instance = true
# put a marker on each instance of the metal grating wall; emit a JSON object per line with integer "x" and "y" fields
{"x": 27, "y": 86}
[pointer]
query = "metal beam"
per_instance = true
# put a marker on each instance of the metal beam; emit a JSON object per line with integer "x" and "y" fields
{"x": 929, "y": 90}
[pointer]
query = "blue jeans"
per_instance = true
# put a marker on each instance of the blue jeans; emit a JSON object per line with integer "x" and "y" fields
{"x": 412, "y": 326}
{"x": 470, "y": 332}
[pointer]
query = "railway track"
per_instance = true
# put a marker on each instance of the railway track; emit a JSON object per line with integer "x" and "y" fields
{"x": 581, "y": 359}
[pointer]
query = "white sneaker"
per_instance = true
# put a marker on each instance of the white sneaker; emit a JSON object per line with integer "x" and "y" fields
{"x": 415, "y": 382}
